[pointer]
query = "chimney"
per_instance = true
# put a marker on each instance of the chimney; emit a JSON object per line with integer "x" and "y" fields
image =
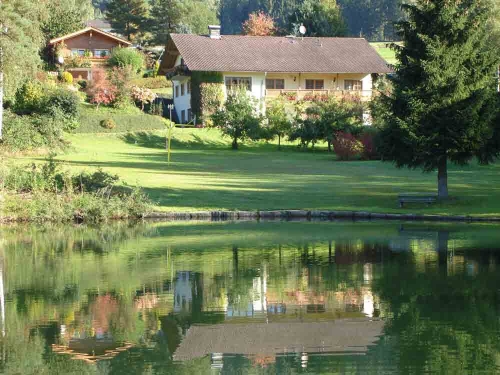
{"x": 214, "y": 31}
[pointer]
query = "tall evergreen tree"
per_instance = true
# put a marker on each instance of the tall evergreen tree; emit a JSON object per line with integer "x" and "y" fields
{"x": 127, "y": 16}
{"x": 165, "y": 16}
{"x": 443, "y": 101}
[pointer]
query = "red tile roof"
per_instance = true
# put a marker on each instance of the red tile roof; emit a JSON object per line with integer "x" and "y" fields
{"x": 237, "y": 53}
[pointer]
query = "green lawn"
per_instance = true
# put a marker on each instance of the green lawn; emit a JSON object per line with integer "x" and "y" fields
{"x": 386, "y": 52}
{"x": 206, "y": 174}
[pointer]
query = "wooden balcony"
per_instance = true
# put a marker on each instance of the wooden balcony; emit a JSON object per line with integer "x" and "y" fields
{"x": 318, "y": 95}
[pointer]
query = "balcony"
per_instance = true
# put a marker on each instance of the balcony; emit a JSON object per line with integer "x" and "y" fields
{"x": 320, "y": 95}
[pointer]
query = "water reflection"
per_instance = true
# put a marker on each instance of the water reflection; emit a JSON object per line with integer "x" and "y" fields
{"x": 367, "y": 297}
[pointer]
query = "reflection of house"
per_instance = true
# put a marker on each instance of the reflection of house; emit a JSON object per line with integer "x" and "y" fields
{"x": 341, "y": 336}
{"x": 268, "y": 67}
{"x": 83, "y": 49}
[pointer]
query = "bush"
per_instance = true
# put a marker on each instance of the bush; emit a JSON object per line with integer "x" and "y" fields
{"x": 30, "y": 98}
{"x": 120, "y": 78}
{"x": 66, "y": 103}
{"x": 127, "y": 57}
{"x": 369, "y": 139}
{"x": 108, "y": 124}
{"x": 143, "y": 96}
{"x": 82, "y": 84}
{"x": 160, "y": 82}
{"x": 346, "y": 146}
{"x": 100, "y": 89}
{"x": 66, "y": 77}
{"x": 30, "y": 132}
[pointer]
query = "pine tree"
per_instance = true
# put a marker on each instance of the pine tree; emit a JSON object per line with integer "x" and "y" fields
{"x": 165, "y": 16}
{"x": 66, "y": 16}
{"x": 127, "y": 16}
{"x": 443, "y": 101}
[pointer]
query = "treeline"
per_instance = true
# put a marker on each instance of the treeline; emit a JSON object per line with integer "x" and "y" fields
{"x": 152, "y": 20}
{"x": 372, "y": 19}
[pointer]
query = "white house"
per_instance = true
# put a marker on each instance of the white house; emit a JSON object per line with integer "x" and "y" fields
{"x": 297, "y": 68}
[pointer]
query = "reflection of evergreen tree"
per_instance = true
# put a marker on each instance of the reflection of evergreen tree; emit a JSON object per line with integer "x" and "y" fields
{"x": 442, "y": 322}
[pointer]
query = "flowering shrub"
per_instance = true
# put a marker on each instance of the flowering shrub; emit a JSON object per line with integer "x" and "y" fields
{"x": 315, "y": 97}
{"x": 142, "y": 95}
{"x": 291, "y": 95}
{"x": 346, "y": 146}
{"x": 66, "y": 77}
{"x": 101, "y": 90}
{"x": 369, "y": 140}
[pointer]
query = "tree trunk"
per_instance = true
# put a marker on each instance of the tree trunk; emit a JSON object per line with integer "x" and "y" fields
{"x": 235, "y": 144}
{"x": 329, "y": 146}
{"x": 443, "y": 178}
{"x": 279, "y": 142}
{"x": 1, "y": 92}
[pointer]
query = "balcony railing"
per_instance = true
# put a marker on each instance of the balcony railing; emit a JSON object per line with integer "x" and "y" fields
{"x": 318, "y": 95}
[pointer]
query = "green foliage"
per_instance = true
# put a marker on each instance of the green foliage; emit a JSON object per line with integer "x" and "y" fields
{"x": 66, "y": 16}
{"x": 31, "y": 132}
{"x": 165, "y": 15}
{"x": 324, "y": 119}
{"x": 66, "y": 77}
{"x": 108, "y": 124}
{"x": 127, "y": 16}
{"x": 443, "y": 104}
{"x": 127, "y": 57}
{"x": 279, "y": 121}
{"x": 64, "y": 101}
{"x": 159, "y": 82}
{"x": 237, "y": 118}
{"x": 346, "y": 146}
{"x": 211, "y": 99}
{"x": 30, "y": 98}
{"x": 56, "y": 195}
{"x": 321, "y": 18}
{"x": 120, "y": 78}
{"x": 196, "y": 15}
{"x": 197, "y": 79}
{"x": 21, "y": 44}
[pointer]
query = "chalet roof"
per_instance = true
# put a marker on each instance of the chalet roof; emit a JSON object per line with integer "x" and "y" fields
{"x": 340, "y": 336}
{"x": 239, "y": 53}
{"x": 85, "y": 30}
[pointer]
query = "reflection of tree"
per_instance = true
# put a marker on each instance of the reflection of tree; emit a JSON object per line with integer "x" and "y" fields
{"x": 442, "y": 323}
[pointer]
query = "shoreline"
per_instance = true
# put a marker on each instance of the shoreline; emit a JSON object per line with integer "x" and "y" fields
{"x": 287, "y": 215}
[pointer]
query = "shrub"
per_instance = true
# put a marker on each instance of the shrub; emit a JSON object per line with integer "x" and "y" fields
{"x": 30, "y": 98}
{"x": 142, "y": 95}
{"x": 127, "y": 57}
{"x": 100, "y": 89}
{"x": 108, "y": 124}
{"x": 66, "y": 103}
{"x": 33, "y": 131}
{"x": 369, "y": 139}
{"x": 93, "y": 182}
{"x": 346, "y": 146}
{"x": 82, "y": 84}
{"x": 159, "y": 82}
{"x": 120, "y": 78}
{"x": 66, "y": 77}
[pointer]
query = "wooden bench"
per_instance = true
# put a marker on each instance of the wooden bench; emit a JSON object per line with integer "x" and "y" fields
{"x": 427, "y": 198}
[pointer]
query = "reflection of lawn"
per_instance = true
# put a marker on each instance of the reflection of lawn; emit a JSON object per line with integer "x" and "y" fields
{"x": 206, "y": 174}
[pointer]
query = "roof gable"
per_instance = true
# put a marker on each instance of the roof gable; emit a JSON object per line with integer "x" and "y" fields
{"x": 239, "y": 53}
{"x": 86, "y": 30}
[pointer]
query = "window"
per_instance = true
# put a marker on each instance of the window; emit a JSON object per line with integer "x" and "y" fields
{"x": 78, "y": 52}
{"x": 233, "y": 83}
{"x": 190, "y": 114}
{"x": 275, "y": 84}
{"x": 183, "y": 116}
{"x": 315, "y": 84}
{"x": 189, "y": 87}
{"x": 177, "y": 91}
{"x": 182, "y": 89}
{"x": 101, "y": 53}
{"x": 351, "y": 84}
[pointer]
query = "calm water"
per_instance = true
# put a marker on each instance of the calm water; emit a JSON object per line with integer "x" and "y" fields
{"x": 225, "y": 298}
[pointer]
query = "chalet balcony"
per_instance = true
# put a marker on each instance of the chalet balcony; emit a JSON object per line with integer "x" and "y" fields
{"x": 319, "y": 95}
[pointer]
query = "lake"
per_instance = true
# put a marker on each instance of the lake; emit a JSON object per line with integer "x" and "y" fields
{"x": 250, "y": 298}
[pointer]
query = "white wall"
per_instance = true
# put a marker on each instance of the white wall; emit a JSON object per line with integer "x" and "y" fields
{"x": 258, "y": 85}
{"x": 182, "y": 102}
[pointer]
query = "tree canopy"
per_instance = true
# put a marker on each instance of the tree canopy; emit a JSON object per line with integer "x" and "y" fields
{"x": 127, "y": 16}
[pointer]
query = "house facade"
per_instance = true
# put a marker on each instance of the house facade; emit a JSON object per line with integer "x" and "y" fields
{"x": 84, "y": 49}
{"x": 269, "y": 67}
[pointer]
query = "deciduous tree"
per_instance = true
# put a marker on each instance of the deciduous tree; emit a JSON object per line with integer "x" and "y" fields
{"x": 259, "y": 24}
{"x": 444, "y": 100}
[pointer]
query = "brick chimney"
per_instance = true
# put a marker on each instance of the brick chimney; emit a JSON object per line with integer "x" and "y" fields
{"x": 214, "y": 31}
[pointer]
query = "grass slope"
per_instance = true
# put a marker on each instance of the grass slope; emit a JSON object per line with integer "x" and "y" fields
{"x": 206, "y": 174}
{"x": 130, "y": 119}
{"x": 386, "y": 52}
